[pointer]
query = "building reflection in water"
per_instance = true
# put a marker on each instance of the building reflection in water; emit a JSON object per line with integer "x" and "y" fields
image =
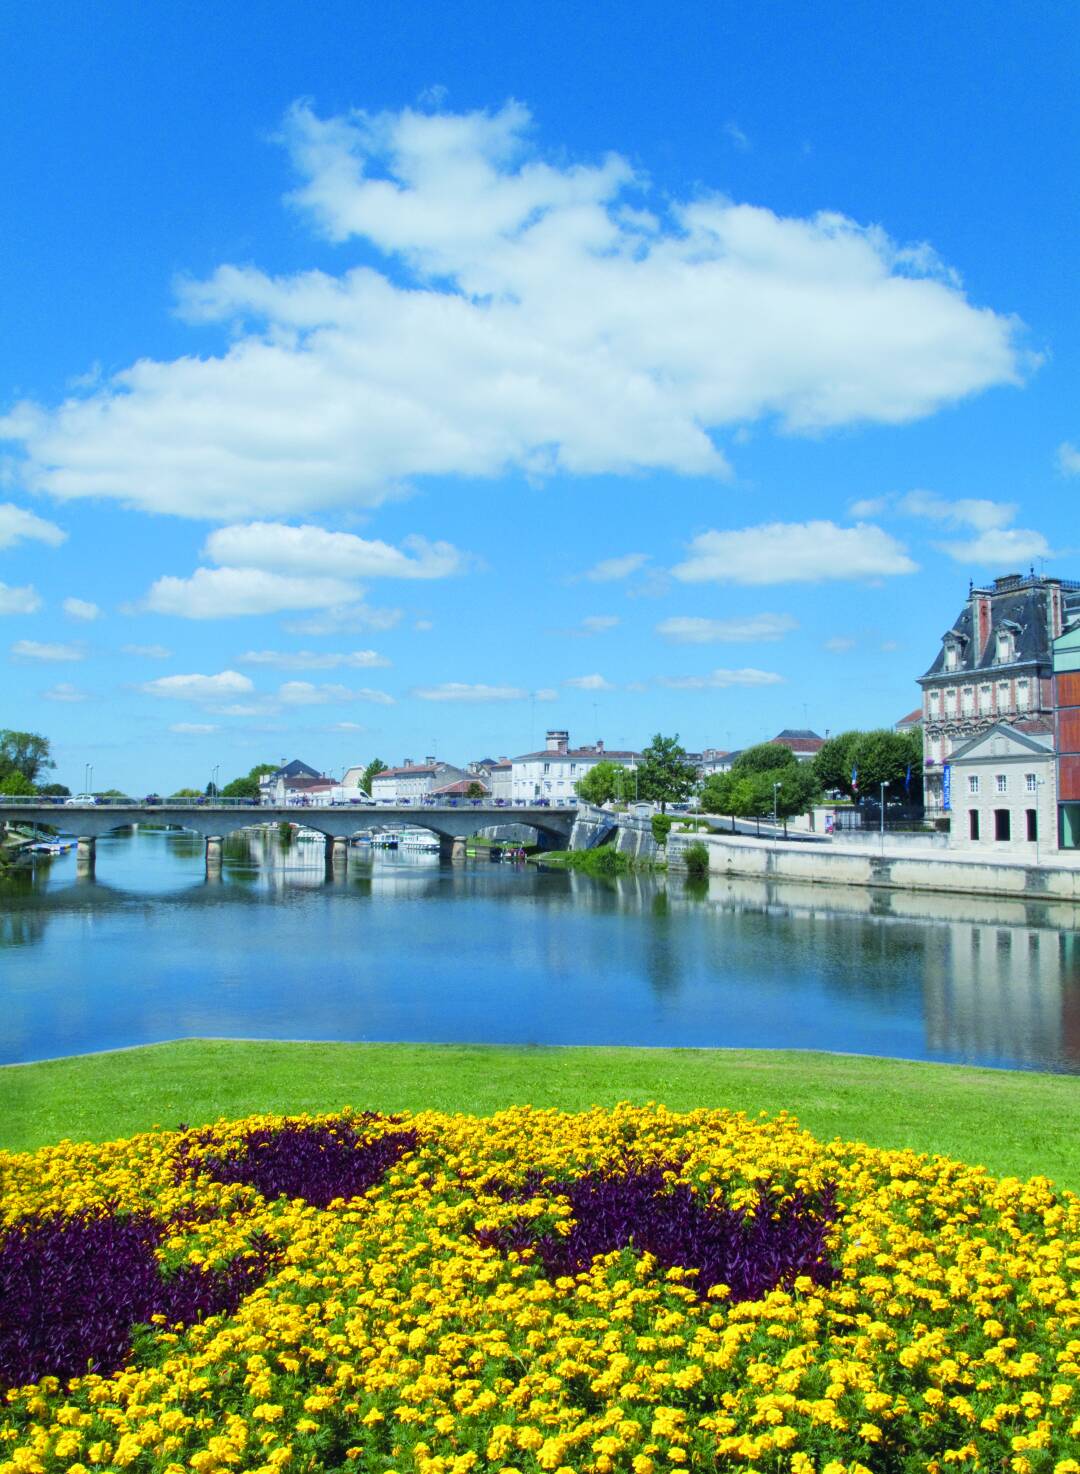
{"x": 1000, "y": 978}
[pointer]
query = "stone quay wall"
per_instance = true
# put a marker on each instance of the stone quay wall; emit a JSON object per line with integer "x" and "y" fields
{"x": 832, "y": 864}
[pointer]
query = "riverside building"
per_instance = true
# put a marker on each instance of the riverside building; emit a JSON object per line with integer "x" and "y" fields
{"x": 553, "y": 772}
{"x": 995, "y": 667}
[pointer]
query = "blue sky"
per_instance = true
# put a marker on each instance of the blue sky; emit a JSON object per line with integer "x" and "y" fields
{"x": 376, "y": 380}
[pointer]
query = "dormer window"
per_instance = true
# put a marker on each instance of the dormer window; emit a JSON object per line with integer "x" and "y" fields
{"x": 952, "y": 655}
{"x": 1004, "y": 646}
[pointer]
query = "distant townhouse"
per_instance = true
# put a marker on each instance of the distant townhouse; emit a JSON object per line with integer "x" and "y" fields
{"x": 289, "y": 781}
{"x": 554, "y": 772}
{"x": 801, "y": 741}
{"x": 995, "y": 667}
{"x": 501, "y": 778}
{"x": 414, "y": 780}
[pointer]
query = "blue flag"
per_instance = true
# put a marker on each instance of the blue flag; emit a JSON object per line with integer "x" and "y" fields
{"x": 907, "y": 777}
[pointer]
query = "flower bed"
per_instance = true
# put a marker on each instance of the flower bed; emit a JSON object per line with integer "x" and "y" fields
{"x": 618, "y": 1290}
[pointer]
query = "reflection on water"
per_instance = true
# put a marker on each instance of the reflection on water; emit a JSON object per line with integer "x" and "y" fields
{"x": 396, "y": 945}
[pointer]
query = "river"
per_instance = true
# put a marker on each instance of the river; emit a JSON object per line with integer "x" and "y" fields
{"x": 401, "y": 947}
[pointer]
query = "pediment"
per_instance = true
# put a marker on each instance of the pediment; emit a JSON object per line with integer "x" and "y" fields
{"x": 1000, "y": 742}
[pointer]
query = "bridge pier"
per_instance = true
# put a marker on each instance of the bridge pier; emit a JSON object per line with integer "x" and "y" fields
{"x": 85, "y": 856}
{"x": 452, "y": 847}
{"x": 337, "y": 851}
{"x": 213, "y": 854}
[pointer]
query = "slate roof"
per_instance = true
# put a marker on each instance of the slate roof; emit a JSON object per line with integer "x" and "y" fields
{"x": 1021, "y": 603}
{"x": 578, "y": 752}
{"x": 798, "y": 740}
{"x": 297, "y": 769}
{"x": 912, "y": 719}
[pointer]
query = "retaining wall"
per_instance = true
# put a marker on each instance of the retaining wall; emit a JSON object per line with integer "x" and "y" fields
{"x": 831, "y": 864}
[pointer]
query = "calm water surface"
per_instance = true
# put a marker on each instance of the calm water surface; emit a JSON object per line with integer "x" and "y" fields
{"x": 403, "y": 948}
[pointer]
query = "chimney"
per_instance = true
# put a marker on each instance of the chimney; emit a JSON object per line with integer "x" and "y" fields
{"x": 981, "y": 619}
{"x": 599, "y": 744}
{"x": 406, "y": 762}
{"x": 1054, "y": 607}
{"x": 430, "y": 762}
{"x": 558, "y": 741}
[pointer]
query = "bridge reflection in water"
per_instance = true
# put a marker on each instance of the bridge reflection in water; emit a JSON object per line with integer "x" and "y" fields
{"x": 397, "y": 946}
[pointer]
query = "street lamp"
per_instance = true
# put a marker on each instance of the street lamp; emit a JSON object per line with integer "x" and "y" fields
{"x": 883, "y": 788}
{"x": 214, "y": 778}
{"x": 775, "y": 789}
{"x": 1039, "y": 782}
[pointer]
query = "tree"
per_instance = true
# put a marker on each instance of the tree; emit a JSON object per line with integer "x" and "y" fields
{"x": 766, "y": 757}
{"x": 16, "y": 785}
{"x": 603, "y": 782}
{"x": 246, "y": 787}
{"x": 25, "y": 753}
{"x": 475, "y": 790}
{"x": 799, "y": 789}
{"x": 874, "y": 757}
{"x": 746, "y": 792}
{"x": 55, "y": 790}
{"x": 186, "y": 793}
{"x": 665, "y": 775}
{"x": 373, "y": 768}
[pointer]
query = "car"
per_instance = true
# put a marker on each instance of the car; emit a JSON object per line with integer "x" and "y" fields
{"x": 80, "y": 798}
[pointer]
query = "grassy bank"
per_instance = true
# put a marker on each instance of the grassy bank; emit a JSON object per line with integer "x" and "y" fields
{"x": 1022, "y": 1124}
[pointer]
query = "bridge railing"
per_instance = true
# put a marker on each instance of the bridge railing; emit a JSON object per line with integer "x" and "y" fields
{"x": 58, "y": 801}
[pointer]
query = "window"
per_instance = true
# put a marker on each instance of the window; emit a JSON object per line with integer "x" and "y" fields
{"x": 984, "y": 698}
{"x": 1003, "y": 696}
{"x": 573, "y": 769}
{"x": 973, "y": 823}
{"x": 950, "y": 699}
{"x": 968, "y": 695}
{"x": 1002, "y": 825}
{"x": 973, "y": 783}
{"x": 547, "y": 768}
{"x": 1004, "y": 646}
{"x": 1022, "y": 694}
{"x": 1031, "y": 783}
{"x": 1032, "y": 825}
{"x": 935, "y": 702}
{"x": 1001, "y": 783}
{"x": 950, "y": 657}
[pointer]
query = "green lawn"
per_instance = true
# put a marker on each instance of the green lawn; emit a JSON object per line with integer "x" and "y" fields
{"x": 1014, "y": 1123}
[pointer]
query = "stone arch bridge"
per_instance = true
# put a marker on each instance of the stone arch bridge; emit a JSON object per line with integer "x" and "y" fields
{"x": 214, "y": 819}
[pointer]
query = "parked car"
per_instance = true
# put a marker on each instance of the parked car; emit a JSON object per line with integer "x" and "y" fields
{"x": 80, "y": 798}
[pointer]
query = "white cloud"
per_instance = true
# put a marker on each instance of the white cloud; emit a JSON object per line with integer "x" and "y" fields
{"x": 279, "y": 548}
{"x": 721, "y": 679}
{"x": 39, "y": 650}
{"x": 215, "y": 593}
{"x": 870, "y": 506}
{"x": 589, "y": 683}
{"x": 734, "y": 134}
{"x": 222, "y": 687}
{"x": 148, "y": 652}
{"x": 193, "y": 729}
{"x": 611, "y": 569}
{"x": 1068, "y": 459}
{"x": 794, "y": 552}
{"x": 422, "y": 626}
{"x": 546, "y": 693}
{"x": 530, "y": 316}
{"x": 64, "y": 691}
{"x": 977, "y": 512}
{"x": 314, "y": 659}
{"x": 19, "y": 525}
{"x": 838, "y": 644}
{"x": 347, "y": 727}
{"x": 24, "y": 600}
{"x": 999, "y": 546}
{"x": 689, "y": 630}
{"x": 344, "y": 618}
{"x": 461, "y": 691}
{"x": 599, "y": 624}
{"x": 304, "y": 693}
{"x": 81, "y": 609}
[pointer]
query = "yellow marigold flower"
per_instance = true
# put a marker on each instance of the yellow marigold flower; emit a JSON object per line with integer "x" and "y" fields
{"x": 268, "y": 1412}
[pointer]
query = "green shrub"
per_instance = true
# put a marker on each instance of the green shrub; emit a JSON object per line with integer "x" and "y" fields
{"x": 661, "y": 827}
{"x": 696, "y": 859}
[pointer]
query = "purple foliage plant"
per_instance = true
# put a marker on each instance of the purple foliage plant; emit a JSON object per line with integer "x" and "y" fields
{"x": 751, "y": 1252}
{"x": 72, "y": 1290}
{"x": 315, "y": 1162}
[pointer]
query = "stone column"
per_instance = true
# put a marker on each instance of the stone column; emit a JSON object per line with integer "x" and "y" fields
{"x": 85, "y": 856}
{"x": 213, "y": 854}
{"x": 457, "y": 850}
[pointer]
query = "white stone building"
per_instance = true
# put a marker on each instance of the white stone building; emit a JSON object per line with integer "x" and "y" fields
{"x": 554, "y": 772}
{"x": 1003, "y": 797}
{"x": 413, "y": 780}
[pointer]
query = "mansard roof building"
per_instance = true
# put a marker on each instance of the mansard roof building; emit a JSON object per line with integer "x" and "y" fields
{"x": 995, "y": 665}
